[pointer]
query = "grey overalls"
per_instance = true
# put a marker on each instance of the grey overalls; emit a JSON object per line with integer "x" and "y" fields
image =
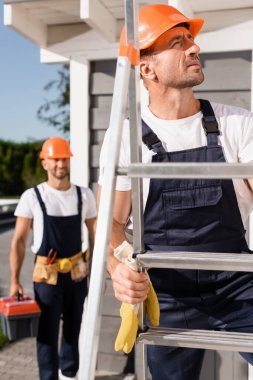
{"x": 61, "y": 301}
{"x": 195, "y": 215}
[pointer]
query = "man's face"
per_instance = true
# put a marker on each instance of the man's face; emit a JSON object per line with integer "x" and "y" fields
{"x": 57, "y": 168}
{"x": 174, "y": 60}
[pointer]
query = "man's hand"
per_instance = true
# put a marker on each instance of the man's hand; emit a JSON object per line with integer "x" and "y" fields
{"x": 17, "y": 253}
{"x": 16, "y": 288}
{"x": 129, "y": 286}
{"x": 134, "y": 287}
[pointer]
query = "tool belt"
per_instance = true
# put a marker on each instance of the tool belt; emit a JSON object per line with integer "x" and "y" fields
{"x": 48, "y": 273}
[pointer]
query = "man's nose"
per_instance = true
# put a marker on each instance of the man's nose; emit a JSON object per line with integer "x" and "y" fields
{"x": 192, "y": 48}
{"x": 61, "y": 163}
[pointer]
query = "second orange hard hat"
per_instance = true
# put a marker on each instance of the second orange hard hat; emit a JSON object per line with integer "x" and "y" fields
{"x": 55, "y": 147}
{"x": 154, "y": 20}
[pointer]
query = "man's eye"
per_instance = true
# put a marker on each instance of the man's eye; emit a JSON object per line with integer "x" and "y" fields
{"x": 176, "y": 43}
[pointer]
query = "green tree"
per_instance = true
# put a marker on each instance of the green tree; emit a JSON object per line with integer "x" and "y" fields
{"x": 20, "y": 167}
{"x": 32, "y": 171}
{"x": 55, "y": 112}
{"x": 11, "y": 166}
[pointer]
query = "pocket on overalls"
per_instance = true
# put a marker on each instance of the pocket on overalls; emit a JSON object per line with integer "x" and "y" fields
{"x": 192, "y": 214}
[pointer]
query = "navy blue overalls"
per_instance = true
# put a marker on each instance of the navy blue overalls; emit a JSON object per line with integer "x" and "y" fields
{"x": 195, "y": 215}
{"x": 63, "y": 300}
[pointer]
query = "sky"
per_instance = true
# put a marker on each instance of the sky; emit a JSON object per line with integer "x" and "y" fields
{"x": 22, "y": 79}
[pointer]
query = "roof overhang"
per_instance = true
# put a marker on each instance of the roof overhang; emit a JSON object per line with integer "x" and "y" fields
{"x": 89, "y": 29}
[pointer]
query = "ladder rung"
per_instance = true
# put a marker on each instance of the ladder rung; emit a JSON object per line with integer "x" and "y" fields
{"x": 187, "y": 170}
{"x": 198, "y": 260}
{"x": 211, "y": 340}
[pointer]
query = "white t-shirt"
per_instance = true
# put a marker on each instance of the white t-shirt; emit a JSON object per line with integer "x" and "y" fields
{"x": 58, "y": 203}
{"x": 236, "y": 139}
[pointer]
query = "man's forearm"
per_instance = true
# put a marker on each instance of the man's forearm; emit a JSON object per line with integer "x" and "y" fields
{"x": 17, "y": 255}
{"x": 112, "y": 263}
{"x": 122, "y": 210}
{"x": 117, "y": 237}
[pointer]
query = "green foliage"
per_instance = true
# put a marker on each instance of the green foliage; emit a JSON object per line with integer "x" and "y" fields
{"x": 56, "y": 112}
{"x": 20, "y": 167}
{"x": 3, "y": 339}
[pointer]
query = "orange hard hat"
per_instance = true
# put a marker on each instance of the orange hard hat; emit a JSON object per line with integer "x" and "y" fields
{"x": 154, "y": 20}
{"x": 55, "y": 147}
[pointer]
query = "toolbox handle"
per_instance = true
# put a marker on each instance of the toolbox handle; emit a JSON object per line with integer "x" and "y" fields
{"x": 19, "y": 296}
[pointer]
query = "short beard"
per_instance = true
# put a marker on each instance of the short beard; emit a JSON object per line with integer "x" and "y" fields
{"x": 192, "y": 82}
{"x": 60, "y": 177}
{"x": 199, "y": 81}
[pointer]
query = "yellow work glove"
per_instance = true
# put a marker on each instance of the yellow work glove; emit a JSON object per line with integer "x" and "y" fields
{"x": 152, "y": 307}
{"x": 129, "y": 313}
{"x": 128, "y": 329}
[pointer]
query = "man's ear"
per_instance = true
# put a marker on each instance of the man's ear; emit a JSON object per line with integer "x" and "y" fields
{"x": 147, "y": 70}
{"x": 44, "y": 164}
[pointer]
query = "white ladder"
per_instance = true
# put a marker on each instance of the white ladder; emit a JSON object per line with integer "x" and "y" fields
{"x": 127, "y": 82}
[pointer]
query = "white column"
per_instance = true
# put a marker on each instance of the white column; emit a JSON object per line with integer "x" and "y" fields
{"x": 250, "y": 226}
{"x": 250, "y": 372}
{"x": 79, "y": 122}
{"x": 252, "y": 81}
{"x": 250, "y": 230}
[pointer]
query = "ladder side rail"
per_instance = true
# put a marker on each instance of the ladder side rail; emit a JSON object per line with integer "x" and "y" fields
{"x": 92, "y": 318}
{"x": 136, "y": 157}
{"x": 141, "y": 368}
{"x": 135, "y": 151}
{"x": 135, "y": 127}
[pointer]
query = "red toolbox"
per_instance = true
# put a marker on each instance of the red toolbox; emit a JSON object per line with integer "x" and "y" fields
{"x": 19, "y": 317}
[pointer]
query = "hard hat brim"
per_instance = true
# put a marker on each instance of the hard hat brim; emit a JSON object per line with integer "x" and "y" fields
{"x": 55, "y": 147}
{"x": 154, "y": 20}
{"x": 42, "y": 155}
{"x": 146, "y": 41}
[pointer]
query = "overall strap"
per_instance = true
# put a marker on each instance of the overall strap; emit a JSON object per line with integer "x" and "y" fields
{"x": 80, "y": 202}
{"x": 209, "y": 122}
{"x": 42, "y": 204}
{"x": 151, "y": 140}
